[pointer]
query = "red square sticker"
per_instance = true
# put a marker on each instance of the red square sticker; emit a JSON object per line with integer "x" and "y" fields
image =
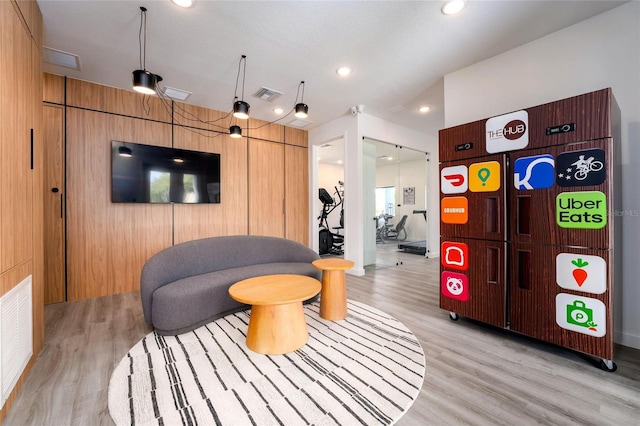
{"x": 455, "y": 286}
{"x": 454, "y": 255}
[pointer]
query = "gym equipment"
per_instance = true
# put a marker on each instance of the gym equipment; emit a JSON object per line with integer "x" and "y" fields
{"x": 416, "y": 247}
{"x": 382, "y": 227}
{"x": 330, "y": 243}
{"x": 395, "y": 232}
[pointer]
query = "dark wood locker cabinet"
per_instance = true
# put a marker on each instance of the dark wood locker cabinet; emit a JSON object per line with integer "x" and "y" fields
{"x": 541, "y": 249}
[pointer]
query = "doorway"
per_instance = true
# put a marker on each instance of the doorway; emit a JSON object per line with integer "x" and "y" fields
{"x": 403, "y": 170}
{"x": 401, "y": 191}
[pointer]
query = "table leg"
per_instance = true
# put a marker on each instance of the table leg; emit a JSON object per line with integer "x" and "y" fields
{"x": 277, "y": 329}
{"x": 333, "y": 296}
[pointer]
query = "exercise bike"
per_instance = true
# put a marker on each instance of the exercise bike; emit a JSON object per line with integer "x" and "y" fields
{"x": 330, "y": 243}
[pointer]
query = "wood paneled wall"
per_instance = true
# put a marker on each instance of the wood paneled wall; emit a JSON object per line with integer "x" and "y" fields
{"x": 231, "y": 215}
{"x": 107, "y": 243}
{"x": 266, "y": 188}
{"x": 21, "y": 164}
{"x": 296, "y": 186}
{"x": 55, "y": 289}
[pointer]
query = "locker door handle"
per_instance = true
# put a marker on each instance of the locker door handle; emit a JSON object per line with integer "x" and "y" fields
{"x": 523, "y": 269}
{"x": 493, "y": 265}
{"x": 523, "y": 215}
{"x": 493, "y": 215}
{"x": 31, "y": 149}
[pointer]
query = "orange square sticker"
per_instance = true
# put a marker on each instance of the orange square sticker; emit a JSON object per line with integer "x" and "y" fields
{"x": 454, "y": 210}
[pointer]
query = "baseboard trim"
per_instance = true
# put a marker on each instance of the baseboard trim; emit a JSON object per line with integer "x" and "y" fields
{"x": 627, "y": 339}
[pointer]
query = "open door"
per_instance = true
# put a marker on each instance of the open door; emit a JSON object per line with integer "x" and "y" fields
{"x": 369, "y": 198}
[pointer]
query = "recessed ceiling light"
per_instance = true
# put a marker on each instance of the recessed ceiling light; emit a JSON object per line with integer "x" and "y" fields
{"x": 278, "y": 110}
{"x": 389, "y": 158}
{"x": 453, "y": 6}
{"x": 339, "y": 161}
{"x": 183, "y": 3}
{"x": 343, "y": 71}
{"x": 424, "y": 109}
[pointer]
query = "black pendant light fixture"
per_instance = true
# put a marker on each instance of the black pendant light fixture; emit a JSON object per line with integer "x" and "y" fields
{"x": 240, "y": 107}
{"x": 124, "y": 151}
{"x": 302, "y": 109}
{"x": 143, "y": 80}
{"x": 235, "y": 131}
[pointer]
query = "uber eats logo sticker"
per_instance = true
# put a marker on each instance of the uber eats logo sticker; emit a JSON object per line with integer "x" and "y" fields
{"x": 583, "y": 210}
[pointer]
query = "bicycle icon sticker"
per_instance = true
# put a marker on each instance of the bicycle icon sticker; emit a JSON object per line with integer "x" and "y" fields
{"x": 581, "y": 168}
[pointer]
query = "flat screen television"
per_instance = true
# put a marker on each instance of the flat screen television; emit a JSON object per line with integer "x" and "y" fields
{"x": 155, "y": 174}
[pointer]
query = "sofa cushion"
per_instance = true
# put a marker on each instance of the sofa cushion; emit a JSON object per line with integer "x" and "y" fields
{"x": 192, "y": 299}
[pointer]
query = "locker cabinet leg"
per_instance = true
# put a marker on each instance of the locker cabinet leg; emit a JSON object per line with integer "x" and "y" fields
{"x": 454, "y": 316}
{"x": 608, "y": 365}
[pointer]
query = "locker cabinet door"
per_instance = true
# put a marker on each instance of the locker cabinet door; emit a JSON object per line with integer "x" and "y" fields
{"x": 473, "y": 279}
{"x": 472, "y": 198}
{"x": 561, "y": 195}
{"x": 562, "y": 295}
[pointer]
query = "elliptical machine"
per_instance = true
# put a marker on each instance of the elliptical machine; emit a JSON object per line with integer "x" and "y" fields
{"x": 330, "y": 243}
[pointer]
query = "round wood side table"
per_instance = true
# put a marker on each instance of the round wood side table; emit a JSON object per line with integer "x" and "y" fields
{"x": 277, "y": 324}
{"x": 333, "y": 296}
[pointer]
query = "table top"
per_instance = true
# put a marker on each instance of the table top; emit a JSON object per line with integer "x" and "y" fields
{"x": 333, "y": 264}
{"x": 275, "y": 289}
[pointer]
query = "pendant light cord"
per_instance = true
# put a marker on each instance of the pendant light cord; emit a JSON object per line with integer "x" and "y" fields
{"x": 142, "y": 42}
{"x": 298, "y": 93}
{"x": 241, "y": 64}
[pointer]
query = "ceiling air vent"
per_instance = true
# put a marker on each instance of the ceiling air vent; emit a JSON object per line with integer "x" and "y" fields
{"x": 176, "y": 94}
{"x": 298, "y": 123}
{"x": 267, "y": 94}
{"x": 60, "y": 58}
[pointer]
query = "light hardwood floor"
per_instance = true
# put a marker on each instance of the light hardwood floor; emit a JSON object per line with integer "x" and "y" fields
{"x": 475, "y": 374}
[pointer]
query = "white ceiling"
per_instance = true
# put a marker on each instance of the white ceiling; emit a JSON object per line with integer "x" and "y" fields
{"x": 399, "y": 50}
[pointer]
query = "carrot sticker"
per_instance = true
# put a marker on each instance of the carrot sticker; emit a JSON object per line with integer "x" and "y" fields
{"x": 586, "y": 273}
{"x": 579, "y": 274}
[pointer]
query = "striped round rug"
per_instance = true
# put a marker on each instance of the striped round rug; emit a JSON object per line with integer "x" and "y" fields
{"x": 366, "y": 369}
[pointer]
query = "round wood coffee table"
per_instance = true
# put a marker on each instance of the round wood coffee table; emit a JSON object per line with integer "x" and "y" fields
{"x": 333, "y": 298}
{"x": 276, "y": 325}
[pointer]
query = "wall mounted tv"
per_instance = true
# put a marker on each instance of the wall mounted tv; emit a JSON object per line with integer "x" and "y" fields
{"x": 156, "y": 174}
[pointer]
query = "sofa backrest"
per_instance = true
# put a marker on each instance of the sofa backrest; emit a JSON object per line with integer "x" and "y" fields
{"x": 215, "y": 254}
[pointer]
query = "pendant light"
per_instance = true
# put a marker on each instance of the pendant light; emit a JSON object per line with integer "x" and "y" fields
{"x": 235, "y": 132}
{"x": 302, "y": 109}
{"x": 143, "y": 80}
{"x": 124, "y": 151}
{"x": 240, "y": 107}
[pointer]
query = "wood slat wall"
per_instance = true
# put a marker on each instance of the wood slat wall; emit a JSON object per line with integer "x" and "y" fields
{"x": 16, "y": 243}
{"x": 107, "y": 244}
{"x": 53, "y": 88}
{"x": 83, "y": 94}
{"x": 296, "y": 186}
{"x": 293, "y": 136}
{"x": 230, "y": 216}
{"x": 21, "y": 164}
{"x": 266, "y": 188}
{"x": 54, "y": 204}
{"x": 259, "y": 129}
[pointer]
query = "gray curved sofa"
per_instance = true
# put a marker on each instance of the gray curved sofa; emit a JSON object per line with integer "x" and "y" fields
{"x": 187, "y": 285}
